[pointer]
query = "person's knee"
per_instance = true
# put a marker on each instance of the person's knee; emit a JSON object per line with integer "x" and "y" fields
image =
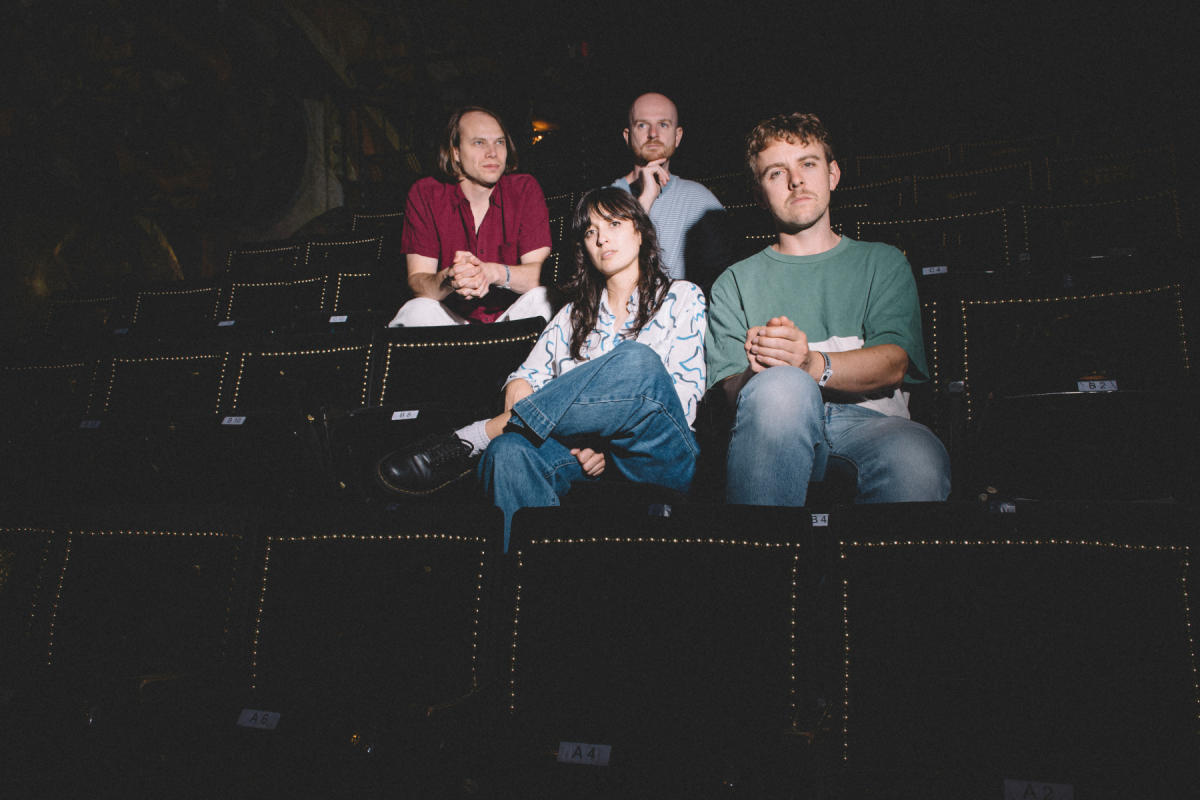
{"x": 635, "y": 356}
{"x": 534, "y": 303}
{"x": 780, "y": 396}
{"x": 917, "y": 467}
{"x": 421, "y": 312}
{"x": 421, "y": 305}
{"x": 779, "y": 419}
{"x": 931, "y": 472}
{"x": 639, "y": 363}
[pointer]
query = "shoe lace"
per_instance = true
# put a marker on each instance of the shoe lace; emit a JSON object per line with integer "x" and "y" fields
{"x": 448, "y": 450}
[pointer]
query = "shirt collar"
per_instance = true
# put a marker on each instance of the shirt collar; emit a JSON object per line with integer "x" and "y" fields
{"x": 630, "y": 306}
{"x": 493, "y": 199}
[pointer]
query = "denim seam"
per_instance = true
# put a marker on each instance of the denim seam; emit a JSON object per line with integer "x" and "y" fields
{"x": 662, "y": 409}
{"x": 658, "y": 408}
{"x": 825, "y": 429}
{"x": 553, "y": 469}
{"x": 833, "y": 453}
{"x": 539, "y": 421}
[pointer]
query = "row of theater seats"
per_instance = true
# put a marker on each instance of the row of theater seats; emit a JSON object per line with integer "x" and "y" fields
{"x": 1038, "y": 203}
{"x": 266, "y": 286}
{"x": 315, "y": 347}
{"x": 235, "y": 412}
{"x": 348, "y": 650}
{"x": 1072, "y": 245}
{"x": 1001, "y": 236}
{"x": 1065, "y": 169}
{"x": 996, "y": 361}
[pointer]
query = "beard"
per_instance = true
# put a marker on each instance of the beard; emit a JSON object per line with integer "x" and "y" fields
{"x": 644, "y": 155}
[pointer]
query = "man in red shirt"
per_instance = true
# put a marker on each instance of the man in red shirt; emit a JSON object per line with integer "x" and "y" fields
{"x": 476, "y": 236}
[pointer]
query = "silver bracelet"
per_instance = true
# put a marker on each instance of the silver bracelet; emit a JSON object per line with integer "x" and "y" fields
{"x": 507, "y": 278}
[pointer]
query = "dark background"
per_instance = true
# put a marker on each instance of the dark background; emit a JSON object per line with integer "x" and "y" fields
{"x": 144, "y": 139}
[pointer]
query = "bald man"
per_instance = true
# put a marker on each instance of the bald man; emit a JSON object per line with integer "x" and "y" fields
{"x": 688, "y": 218}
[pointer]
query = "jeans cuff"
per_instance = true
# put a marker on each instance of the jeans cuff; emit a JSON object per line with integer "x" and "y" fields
{"x": 532, "y": 418}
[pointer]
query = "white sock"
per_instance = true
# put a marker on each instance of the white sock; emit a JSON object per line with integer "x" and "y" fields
{"x": 476, "y": 434}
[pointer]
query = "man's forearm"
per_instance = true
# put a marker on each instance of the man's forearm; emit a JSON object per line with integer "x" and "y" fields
{"x": 854, "y": 371}
{"x": 429, "y": 284}
{"x": 859, "y": 371}
{"x": 524, "y": 276}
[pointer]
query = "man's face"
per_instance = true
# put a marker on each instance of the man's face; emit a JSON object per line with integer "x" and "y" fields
{"x": 796, "y": 181}
{"x": 482, "y": 152}
{"x": 653, "y": 131}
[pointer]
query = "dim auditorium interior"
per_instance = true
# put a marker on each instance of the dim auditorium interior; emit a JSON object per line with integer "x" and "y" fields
{"x": 205, "y": 593}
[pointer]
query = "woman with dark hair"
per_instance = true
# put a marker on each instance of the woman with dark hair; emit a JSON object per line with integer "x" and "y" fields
{"x": 612, "y": 383}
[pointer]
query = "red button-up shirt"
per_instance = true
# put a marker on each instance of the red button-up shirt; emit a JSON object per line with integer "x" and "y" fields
{"x": 438, "y": 222}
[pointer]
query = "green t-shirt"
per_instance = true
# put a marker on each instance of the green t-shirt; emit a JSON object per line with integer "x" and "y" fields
{"x": 858, "y": 294}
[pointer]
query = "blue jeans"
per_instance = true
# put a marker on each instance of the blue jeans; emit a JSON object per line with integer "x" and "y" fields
{"x": 623, "y": 403}
{"x": 784, "y": 434}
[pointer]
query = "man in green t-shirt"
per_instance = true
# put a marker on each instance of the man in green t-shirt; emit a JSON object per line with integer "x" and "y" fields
{"x": 811, "y": 340}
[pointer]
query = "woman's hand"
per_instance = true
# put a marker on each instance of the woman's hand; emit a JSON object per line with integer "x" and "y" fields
{"x": 591, "y": 461}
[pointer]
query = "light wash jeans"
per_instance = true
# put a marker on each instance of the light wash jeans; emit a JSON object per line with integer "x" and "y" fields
{"x": 623, "y": 403}
{"x": 784, "y": 434}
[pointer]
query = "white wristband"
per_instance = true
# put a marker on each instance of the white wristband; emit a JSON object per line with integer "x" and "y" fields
{"x": 828, "y": 373}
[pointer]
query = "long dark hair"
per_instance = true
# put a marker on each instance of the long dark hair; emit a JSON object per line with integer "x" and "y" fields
{"x": 587, "y": 283}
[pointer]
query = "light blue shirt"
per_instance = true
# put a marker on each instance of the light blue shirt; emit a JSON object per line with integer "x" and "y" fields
{"x": 679, "y": 206}
{"x": 675, "y": 333}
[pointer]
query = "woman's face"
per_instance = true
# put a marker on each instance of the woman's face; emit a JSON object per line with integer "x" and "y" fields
{"x": 612, "y": 245}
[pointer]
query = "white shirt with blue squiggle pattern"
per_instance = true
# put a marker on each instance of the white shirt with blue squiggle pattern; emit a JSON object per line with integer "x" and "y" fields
{"x": 675, "y": 333}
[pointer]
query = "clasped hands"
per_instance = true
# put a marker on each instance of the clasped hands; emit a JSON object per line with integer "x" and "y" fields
{"x": 777, "y": 343}
{"x": 470, "y": 277}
